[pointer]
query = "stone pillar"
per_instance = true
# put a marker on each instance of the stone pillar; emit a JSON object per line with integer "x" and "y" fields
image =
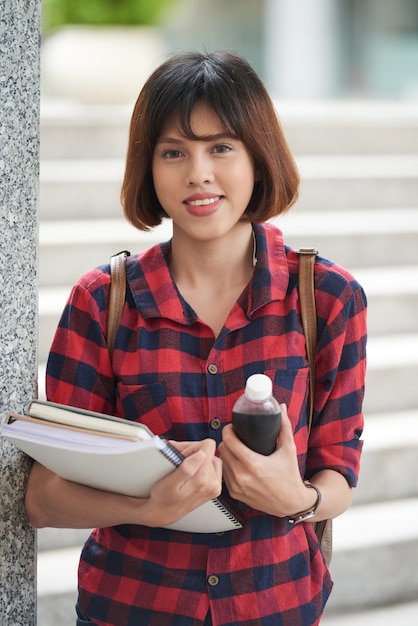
{"x": 19, "y": 165}
{"x": 302, "y": 47}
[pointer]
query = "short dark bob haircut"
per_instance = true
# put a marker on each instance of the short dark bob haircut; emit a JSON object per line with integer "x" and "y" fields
{"x": 230, "y": 87}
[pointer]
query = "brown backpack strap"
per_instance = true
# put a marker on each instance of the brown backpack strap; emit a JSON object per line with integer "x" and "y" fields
{"x": 308, "y": 314}
{"x": 116, "y": 296}
{"x": 306, "y": 287}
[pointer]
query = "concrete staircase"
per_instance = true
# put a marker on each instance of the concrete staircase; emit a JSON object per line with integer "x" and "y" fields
{"x": 359, "y": 206}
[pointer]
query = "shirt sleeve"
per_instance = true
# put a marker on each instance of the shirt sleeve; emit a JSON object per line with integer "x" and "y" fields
{"x": 79, "y": 370}
{"x": 340, "y": 375}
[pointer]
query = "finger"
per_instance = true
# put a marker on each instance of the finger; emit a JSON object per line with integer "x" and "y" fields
{"x": 227, "y": 432}
{"x": 190, "y": 447}
{"x": 286, "y": 428}
{"x": 208, "y": 446}
{"x": 203, "y": 459}
{"x": 192, "y": 463}
{"x": 230, "y": 442}
{"x": 200, "y": 477}
{"x": 286, "y": 437}
{"x": 185, "y": 447}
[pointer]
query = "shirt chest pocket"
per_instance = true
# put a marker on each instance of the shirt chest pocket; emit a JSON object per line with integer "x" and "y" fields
{"x": 146, "y": 404}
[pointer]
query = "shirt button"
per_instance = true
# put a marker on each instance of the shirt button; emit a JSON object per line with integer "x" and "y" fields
{"x": 215, "y": 424}
{"x": 213, "y": 580}
{"x": 212, "y": 369}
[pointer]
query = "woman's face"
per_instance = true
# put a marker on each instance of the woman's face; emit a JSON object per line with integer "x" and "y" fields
{"x": 204, "y": 184}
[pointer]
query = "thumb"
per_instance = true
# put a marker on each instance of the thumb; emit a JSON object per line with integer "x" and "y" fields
{"x": 286, "y": 429}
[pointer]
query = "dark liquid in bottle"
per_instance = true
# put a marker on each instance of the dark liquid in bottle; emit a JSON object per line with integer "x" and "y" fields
{"x": 258, "y": 431}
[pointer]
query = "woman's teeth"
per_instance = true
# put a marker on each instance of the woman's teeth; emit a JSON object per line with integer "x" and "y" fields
{"x": 204, "y": 202}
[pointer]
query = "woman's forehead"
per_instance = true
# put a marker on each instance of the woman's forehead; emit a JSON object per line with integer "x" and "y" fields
{"x": 200, "y": 123}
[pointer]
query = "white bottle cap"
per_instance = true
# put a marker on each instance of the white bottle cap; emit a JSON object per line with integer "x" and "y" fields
{"x": 258, "y": 387}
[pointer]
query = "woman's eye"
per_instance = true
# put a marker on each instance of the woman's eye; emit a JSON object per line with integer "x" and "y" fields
{"x": 222, "y": 148}
{"x": 172, "y": 154}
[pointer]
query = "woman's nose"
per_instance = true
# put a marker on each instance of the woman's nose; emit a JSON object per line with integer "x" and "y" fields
{"x": 200, "y": 171}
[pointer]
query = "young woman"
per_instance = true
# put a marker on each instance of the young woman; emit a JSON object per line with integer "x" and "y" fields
{"x": 203, "y": 312}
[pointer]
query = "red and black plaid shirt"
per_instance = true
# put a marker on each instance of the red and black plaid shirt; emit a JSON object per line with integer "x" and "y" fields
{"x": 173, "y": 375}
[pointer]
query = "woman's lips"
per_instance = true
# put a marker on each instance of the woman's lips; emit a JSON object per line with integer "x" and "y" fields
{"x": 201, "y": 207}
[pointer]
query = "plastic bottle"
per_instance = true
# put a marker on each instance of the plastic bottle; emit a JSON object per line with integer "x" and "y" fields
{"x": 256, "y": 415}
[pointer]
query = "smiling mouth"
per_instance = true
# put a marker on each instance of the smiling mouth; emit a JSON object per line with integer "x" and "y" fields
{"x": 204, "y": 202}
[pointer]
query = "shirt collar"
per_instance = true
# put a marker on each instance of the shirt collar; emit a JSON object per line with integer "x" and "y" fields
{"x": 155, "y": 293}
{"x": 271, "y": 275}
{"x": 152, "y": 286}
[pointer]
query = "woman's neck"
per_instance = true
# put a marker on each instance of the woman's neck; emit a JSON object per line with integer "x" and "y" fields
{"x": 212, "y": 275}
{"x": 223, "y": 262}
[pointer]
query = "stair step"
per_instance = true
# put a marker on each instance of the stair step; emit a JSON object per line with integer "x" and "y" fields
{"x": 52, "y": 540}
{"x": 358, "y": 166}
{"x": 392, "y": 294}
{"x": 373, "y": 525}
{"x": 57, "y": 570}
{"x": 384, "y": 431}
{"x": 389, "y": 280}
{"x": 336, "y": 182}
{"x": 70, "y": 248}
{"x": 356, "y": 238}
{"x": 392, "y": 373}
{"x": 389, "y": 459}
{"x": 350, "y": 127}
{"x": 57, "y": 608}
{"x": 375, "y": 556}
{"x": 403, "y": 614}
{"x": 71, "y": 130}
{"x": 78, "y": 188}
{"x": 388, "y": 351}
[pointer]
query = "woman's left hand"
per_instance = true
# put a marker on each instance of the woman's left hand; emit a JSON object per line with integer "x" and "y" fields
{"x": 271, "y": 484}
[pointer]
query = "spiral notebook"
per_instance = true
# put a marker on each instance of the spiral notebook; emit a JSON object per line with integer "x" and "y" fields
{"x": 108, "y": 453}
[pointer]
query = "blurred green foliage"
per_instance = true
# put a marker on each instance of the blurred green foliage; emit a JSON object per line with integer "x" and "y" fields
{"x": 56, "y": 13}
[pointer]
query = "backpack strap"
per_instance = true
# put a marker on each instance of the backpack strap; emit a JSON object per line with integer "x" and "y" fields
{"x": 323, "y": 529}
{"x": 308, "y": 313}
{"x": 117, "y": 294}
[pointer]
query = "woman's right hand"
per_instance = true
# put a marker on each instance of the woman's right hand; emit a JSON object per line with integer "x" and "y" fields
{"x": 197, "y": 480}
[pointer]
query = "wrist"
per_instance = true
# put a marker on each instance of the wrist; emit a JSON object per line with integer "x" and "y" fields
{"x": 310, "y": 511}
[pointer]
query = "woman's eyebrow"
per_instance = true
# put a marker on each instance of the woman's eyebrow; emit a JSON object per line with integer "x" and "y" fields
{"x": 181, "y": 138}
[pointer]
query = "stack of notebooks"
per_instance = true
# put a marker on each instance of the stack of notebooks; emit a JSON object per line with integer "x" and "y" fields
{"x": 108, "y": 453}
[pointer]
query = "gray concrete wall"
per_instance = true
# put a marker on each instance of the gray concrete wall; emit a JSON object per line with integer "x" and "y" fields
{"x": 19, "y": 165}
